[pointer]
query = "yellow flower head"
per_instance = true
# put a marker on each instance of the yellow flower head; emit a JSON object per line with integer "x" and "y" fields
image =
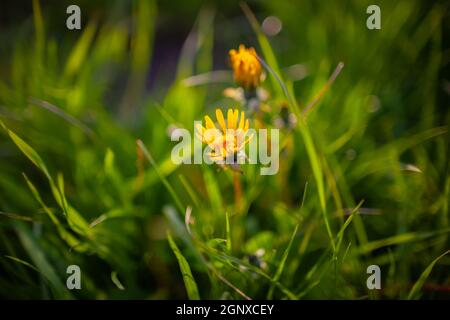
{"x": 228, "y": 138}
{"x": 246, "y": 67}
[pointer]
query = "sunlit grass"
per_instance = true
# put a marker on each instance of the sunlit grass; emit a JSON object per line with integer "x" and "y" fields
{"x": 86, "y": 176}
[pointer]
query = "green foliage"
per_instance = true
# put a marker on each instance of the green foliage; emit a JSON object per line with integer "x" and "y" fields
{"x": 189, "y": 281}
{"x": 86, "y": 176}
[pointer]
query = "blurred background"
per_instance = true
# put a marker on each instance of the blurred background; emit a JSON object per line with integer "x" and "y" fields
{"x": 372, "y": 161}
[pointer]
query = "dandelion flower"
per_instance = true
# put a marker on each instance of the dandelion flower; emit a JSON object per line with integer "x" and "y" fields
{"x": 247, "y": 69}
{"x": 228, "y": 138}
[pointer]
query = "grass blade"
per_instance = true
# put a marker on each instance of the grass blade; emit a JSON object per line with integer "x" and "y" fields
{"x": 414, "y": 293}
{"x": 29, "y": 152}
{"x": 188, "y": 278}
{"x": 228, "y": 231}
{"x": 282, "y": 263}
{"x": 40, "y": 260}
{"x": 160, "y": 175}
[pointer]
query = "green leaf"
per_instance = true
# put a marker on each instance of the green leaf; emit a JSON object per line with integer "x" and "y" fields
{"x": 40, "y": 261}
{"x": 80, "y": 51}
{"x": 27, "y": 150}
{"x": 317, "y": 172}
{"x": 188, "y": 278}
{"x": 228, "y": 231}
{"x": 414, "y": 293}
{"x": 179, "y": 227}
{"x": 282, "y": 263}
{"x": 340, "y": 235}
{"x": 63, "y": 233}
{"x": 116, "y": 280}
{"x": 398, "y": 239}
{"x": 76, "y": 221}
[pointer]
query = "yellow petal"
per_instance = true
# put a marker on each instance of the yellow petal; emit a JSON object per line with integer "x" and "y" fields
{"x": 221, "y": 120}
{"x": 209, "y": 123}
{"x": 230, "y": 115}
{"x": 241, "y": 121}
{"x": 247, "y": 125}
{"x": 235, "y": 118}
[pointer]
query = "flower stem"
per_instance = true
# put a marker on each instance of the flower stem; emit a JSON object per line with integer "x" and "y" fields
{"x": 237, "y": 192}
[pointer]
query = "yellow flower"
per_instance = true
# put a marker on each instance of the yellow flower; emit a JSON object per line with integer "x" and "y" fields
{"x": 246, "y": 67}
{"x": 228, "y": 138}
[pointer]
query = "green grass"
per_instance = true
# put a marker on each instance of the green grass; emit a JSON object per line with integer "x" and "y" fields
{"x": 86, "y": 176}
